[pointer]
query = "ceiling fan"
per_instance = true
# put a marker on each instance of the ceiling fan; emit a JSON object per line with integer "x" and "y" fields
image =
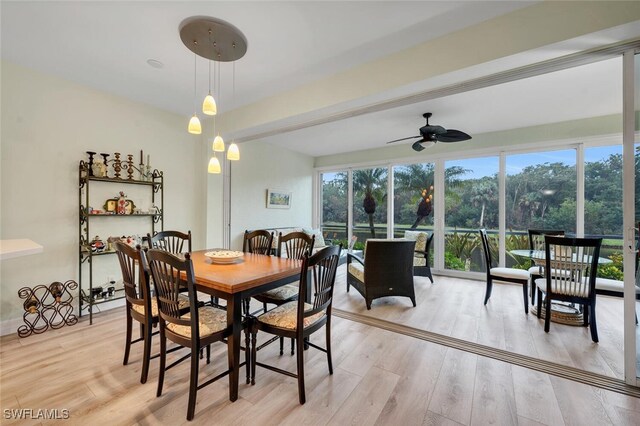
{"x": 429, "y": 135}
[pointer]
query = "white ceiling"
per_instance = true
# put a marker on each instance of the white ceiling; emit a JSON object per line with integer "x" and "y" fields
{"x": 105, "y": 45}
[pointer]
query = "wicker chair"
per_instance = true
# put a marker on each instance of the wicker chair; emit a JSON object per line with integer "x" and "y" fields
{"x": 576, "y": 259}
{"x": 511, "y": 275}
{"x": 386, "y": 270}
{"x": 198, "y": 328}
{"x": 297, "y": 319}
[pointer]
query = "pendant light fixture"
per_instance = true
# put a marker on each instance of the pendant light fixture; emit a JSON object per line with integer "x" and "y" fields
{"x": 194, "y": 124}
{"x": 218, "y": 41}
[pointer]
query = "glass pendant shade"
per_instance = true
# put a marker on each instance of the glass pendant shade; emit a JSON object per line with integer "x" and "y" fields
{"x": 214, "y": 165}
{"x": 209, "y": 105}
{"x": 194, "y": 125}
{"x": 234, "y": 153}
{"x": 218, "y": 144}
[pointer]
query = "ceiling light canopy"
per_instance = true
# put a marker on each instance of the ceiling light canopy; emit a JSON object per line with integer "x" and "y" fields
{"x": 218, "y": 41}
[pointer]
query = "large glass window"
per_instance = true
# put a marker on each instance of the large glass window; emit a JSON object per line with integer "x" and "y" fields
{"x": 334, "y": 206}
{"x": 471, "y": 203}
{"x": 412, "y": 198}
{"x": 370, "y": 203}
{"x": 540, "y": 194}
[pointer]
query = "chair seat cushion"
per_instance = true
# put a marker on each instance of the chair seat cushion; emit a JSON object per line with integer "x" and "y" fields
{"x": 211, "y": 321}
{"x": 519, "y": 274}
{"x": 357, "y": 270}
{"x": 285, "y": 316}
{"x": 567, "y": 289}
{"x": 183, "y": 302}
{"x": 612, "y": 285}
{"x": 285, "y": 292}
{"x": 536, "y": 270}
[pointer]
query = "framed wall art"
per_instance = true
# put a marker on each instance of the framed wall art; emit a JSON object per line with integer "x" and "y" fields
{"x": 278, "y": 199}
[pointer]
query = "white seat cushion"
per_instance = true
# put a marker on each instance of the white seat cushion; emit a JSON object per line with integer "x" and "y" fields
{"x": 285, "y": 316}
{"x": 285, "y": 292}
{"x": 519, "y": 274}
{"x": 537, "y": 270}
{"x": 357, "y": 270}
{"x": 183, "y": 302}
{"x": 611, "y": 285}
{"x": 211, "y": 320}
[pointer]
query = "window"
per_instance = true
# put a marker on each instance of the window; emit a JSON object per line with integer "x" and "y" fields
{"x": 369, "y": 203}
{"x": 412, "y": 198}
{"x": 334, "y": 206}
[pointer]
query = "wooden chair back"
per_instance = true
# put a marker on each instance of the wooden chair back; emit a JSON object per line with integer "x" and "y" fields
{"x": 135, "y": 276}
{"x": 536, "y": 237}
{"x": 295, "y": 245}
{"x": 166, "y": 269}
{"x": 486, "y": 249}
{"x": 575, "y": 261}
{"x": 171, "y": 241}
{"x": 317, "y": 279}
{"x": 257, "y": 242}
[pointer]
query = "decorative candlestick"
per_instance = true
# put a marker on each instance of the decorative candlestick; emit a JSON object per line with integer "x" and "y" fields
{"x": 130, "y": 166}
{"x": 116, "y": 165}
{"x": 105, "y": 156}
{"x": 91, "y": 154}
{"x": 148, "y": 173}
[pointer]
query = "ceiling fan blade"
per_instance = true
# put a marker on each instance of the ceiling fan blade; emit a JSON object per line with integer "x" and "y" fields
{"x": 452, "y": 135}
{"x": 435, "y": 130}
{"x": 404, "y": 139}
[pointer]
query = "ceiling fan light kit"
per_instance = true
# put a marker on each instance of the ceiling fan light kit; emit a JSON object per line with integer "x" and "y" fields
{"x": 430, "y": 134}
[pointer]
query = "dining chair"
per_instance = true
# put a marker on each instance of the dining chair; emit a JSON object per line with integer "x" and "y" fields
{"x": 195, "y": 328}
{"x": 510, "y": 275}
{"x": 140, "y": 305}
{"x": 294, "y": 245}
{"x": 171, "y": 241}
{"x": 536, "y": 242}
{"x": 257, "y": 242}
{"x": 299, "y": 319}
{"x": 576, "y": 260}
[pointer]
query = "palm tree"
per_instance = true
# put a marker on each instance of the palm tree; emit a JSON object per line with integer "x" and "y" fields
{"x": 373, "y": 182}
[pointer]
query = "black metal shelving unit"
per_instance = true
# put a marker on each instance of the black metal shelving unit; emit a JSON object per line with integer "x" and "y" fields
{"x": 86, "y": 257}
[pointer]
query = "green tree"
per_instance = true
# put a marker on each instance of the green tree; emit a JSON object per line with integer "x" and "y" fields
{"x": 371, "y": 183}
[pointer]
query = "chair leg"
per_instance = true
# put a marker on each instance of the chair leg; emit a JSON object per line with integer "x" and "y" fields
{"x": 592, "y": 321}
{"x": 146, "y": 358}
{"x": 328, "y": 344}
{"x": 193, "y": 384}
{"x": 264, "y": 307}
{"x": 247, "y": 352}
{"x": 547, "y": 314}
{"x": 585, "y": 314}
{"x": 413, "y": 300}
{"x": 428, "y": 274}
{"x": 141, "y": 331}
{"x": 208, "y": 354}
{"x": 254, "y": 333}
{"x": 293, "y": 345}
{"x": 127, "y": 343}
{"x": 487, "y": 294}
{"x": 525, "y": 294}
{"x": 281, "y": 345}
{"x": 300, "y": 357}
{"x": 163, "y": 360}
{"x": 539, "y": 301}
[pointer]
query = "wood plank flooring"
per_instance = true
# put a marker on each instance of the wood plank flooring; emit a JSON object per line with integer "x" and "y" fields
{"x": 380, "y": 377}
{"x": 454, "y": 307}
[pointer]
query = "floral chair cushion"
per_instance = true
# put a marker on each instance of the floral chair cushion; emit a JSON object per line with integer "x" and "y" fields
{"x": 421, "y": 244}
{"x": 211, "y": 321}
{"x": 183, "y": 302}
{"x": 285, "y": 316}
{"x": 285, "y": 292}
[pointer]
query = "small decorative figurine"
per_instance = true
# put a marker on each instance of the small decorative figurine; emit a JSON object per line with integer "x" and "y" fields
{"x": 99, "y": 169}
{"x": 121, "y": 207}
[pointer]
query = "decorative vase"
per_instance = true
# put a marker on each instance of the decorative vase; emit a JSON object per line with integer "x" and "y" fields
{"x": 121, "y": 208}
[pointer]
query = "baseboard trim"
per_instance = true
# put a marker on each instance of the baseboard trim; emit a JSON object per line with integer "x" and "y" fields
{"x": 571, "y": 373}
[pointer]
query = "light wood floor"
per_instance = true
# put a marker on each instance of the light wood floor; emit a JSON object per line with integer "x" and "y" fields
{"x": 380, "y": 378}
{"x": 454, "y": 307}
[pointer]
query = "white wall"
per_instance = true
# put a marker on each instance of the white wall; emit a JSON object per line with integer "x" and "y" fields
{"x": 263, "y": 167}
{"x": 47, "y": 125}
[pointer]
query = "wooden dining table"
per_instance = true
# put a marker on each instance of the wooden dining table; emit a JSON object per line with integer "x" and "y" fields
{"x": 234, "y": 282}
